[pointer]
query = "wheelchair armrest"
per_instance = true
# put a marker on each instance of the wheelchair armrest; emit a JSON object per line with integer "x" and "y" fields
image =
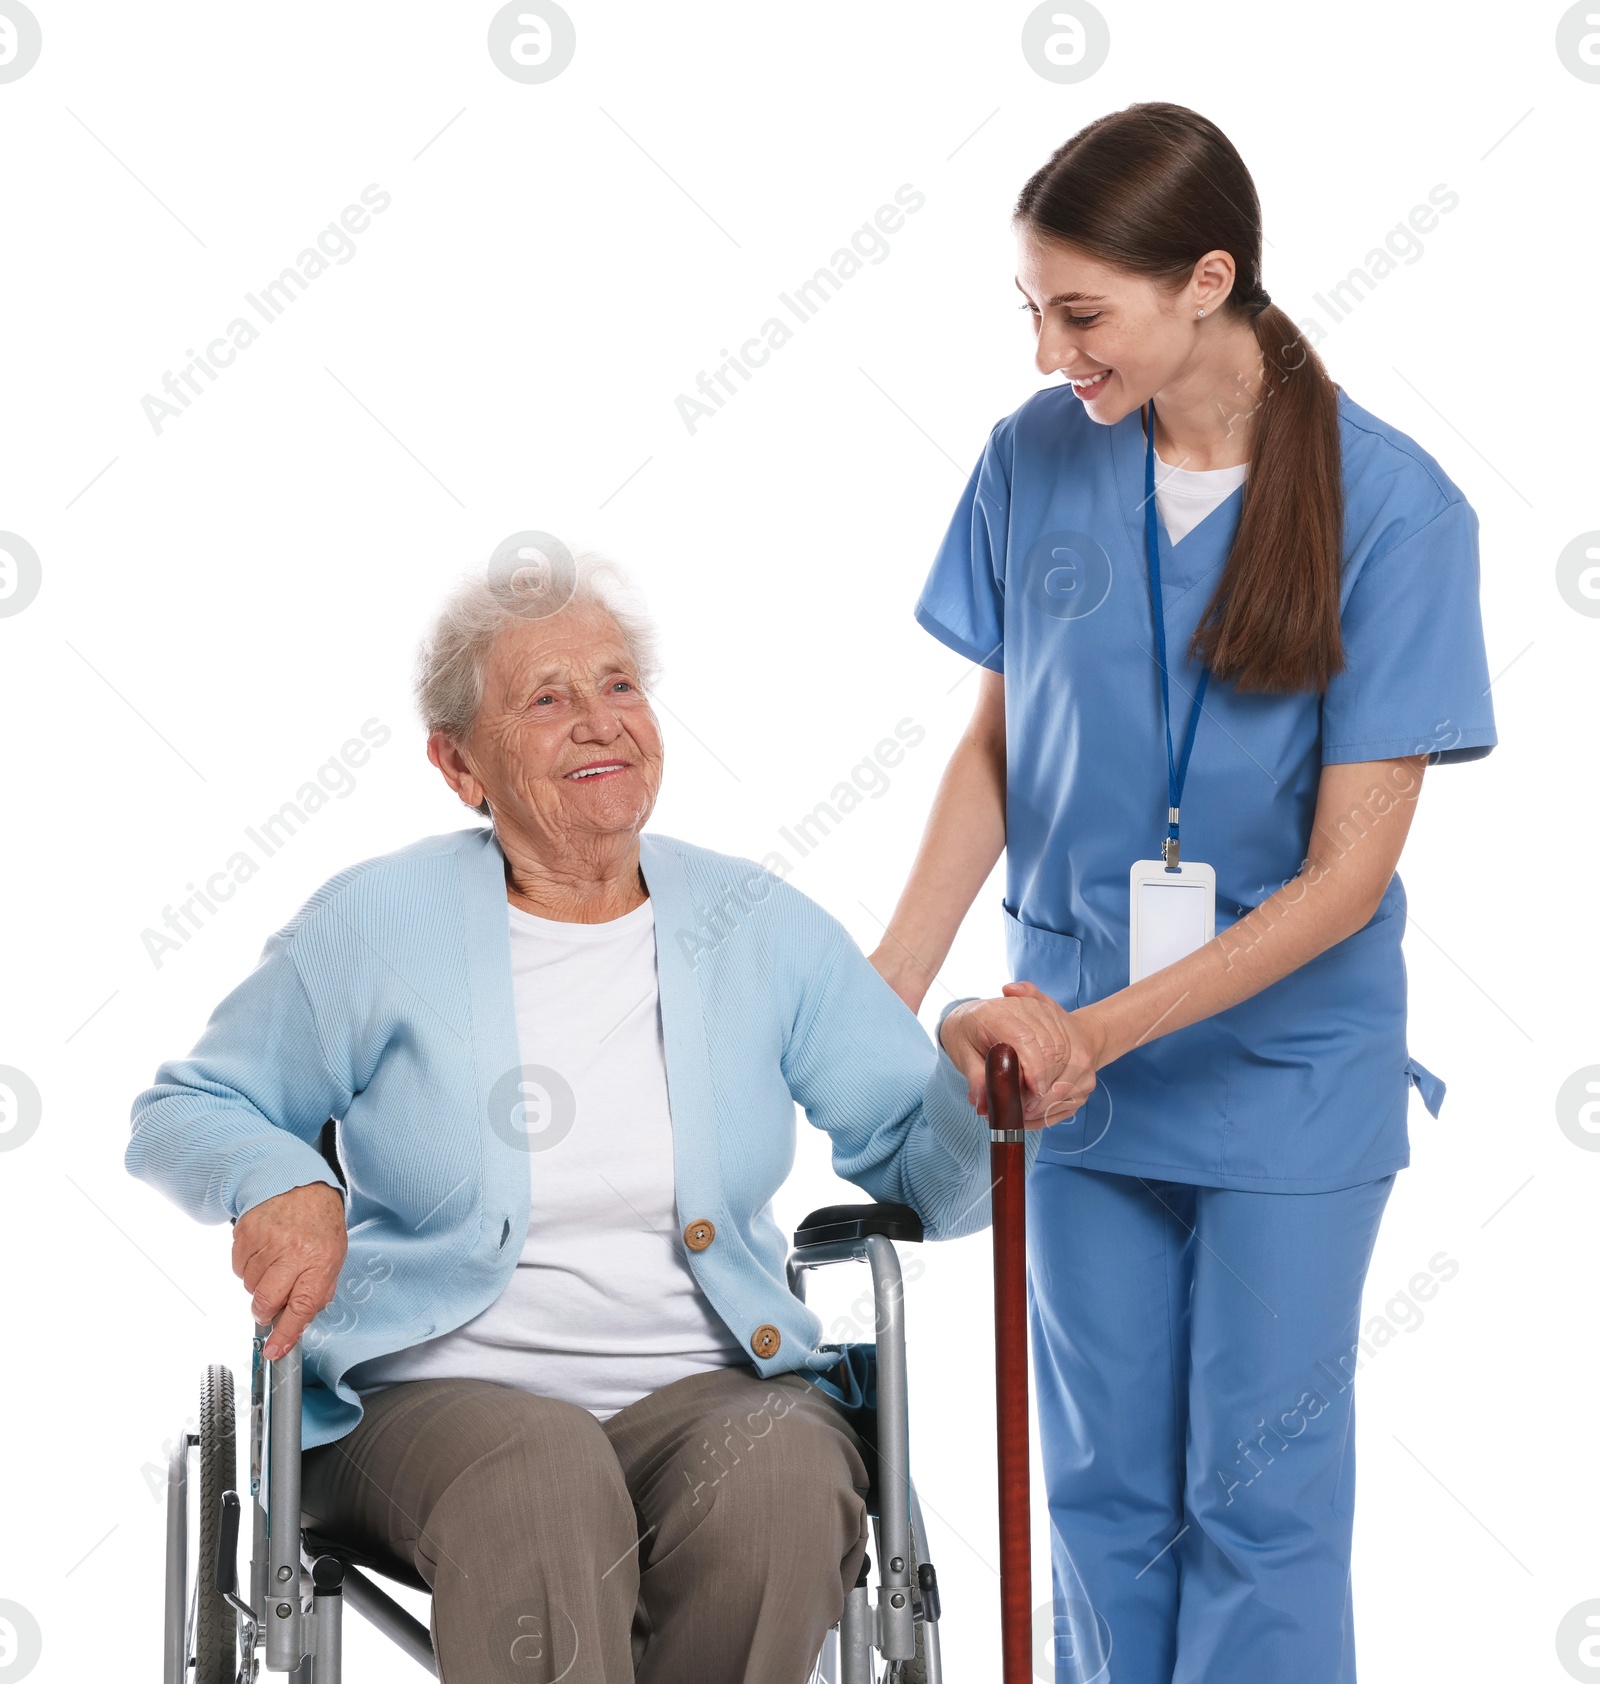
{"x": 836, "y": 1232}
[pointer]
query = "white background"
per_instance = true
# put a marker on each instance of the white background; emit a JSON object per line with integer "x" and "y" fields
{"x": 225, "y": 602}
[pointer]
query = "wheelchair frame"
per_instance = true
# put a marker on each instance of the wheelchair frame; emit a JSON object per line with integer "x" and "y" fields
{"x": 300, "y": 1631}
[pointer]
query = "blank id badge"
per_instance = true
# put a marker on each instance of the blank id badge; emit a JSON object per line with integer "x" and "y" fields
{"x": 1170, "y": 913}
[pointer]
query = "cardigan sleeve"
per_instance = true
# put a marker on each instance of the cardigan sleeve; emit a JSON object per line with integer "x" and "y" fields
{"x": 236, "y": 1122}
{"x": 864, "y": 1069}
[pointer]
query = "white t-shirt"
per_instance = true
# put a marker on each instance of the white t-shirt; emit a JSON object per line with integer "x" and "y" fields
{"x": 601, "y": 1308}
{"x": 1185, "y": 496}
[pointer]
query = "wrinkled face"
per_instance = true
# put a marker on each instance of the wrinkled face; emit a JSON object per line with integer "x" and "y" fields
{"x": 565, "y": 746}
{"x": 1120, "y": 334}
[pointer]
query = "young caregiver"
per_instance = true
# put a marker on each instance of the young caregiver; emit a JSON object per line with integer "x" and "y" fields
{"x": 1224, "y": 617}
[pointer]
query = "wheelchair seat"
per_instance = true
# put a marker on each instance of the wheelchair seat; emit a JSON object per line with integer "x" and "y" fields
{"x": 317, "y": 1543}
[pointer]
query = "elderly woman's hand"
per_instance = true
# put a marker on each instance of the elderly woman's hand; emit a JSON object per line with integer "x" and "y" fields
{"x": 288, "y": 1251}
{"x": 1058, "y": 1063}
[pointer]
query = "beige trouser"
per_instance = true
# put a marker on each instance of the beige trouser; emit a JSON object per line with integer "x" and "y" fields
{"x": 707, "y": 1533}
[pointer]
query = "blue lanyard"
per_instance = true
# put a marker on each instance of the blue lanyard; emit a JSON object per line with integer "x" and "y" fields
{"x": 1177, "y": 768}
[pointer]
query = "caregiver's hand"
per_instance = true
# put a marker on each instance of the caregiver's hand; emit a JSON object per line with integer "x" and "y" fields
{"x": 1056, "y": 1074}
{"x": 288, "y": 1251}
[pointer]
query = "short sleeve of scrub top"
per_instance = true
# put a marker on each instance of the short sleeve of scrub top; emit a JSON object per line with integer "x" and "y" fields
{"x": 1416, "y": 678}
{"x": 964, "y": 602}
{"x": 1042, "y": 576}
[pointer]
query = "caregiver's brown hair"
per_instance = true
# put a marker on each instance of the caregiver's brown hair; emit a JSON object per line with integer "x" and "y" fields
{"x": 1150, "y": 190}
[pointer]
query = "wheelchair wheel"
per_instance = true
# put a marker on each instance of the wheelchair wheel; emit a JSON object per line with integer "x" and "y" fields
{"x": 215, "y": 1623}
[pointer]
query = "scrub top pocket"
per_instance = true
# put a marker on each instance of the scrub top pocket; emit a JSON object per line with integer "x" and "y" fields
{"x": 1053, "y": 963}
{"x": 1049, "y": 960}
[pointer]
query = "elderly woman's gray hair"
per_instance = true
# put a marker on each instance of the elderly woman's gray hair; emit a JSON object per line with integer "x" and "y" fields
{"x": 450, "y": 661}
{"x": 452, "y": 657}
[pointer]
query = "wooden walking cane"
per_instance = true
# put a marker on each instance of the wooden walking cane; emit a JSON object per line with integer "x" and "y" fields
{"x": 1007, "y": 1174}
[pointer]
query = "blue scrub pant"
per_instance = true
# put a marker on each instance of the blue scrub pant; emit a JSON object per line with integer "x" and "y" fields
{"x": 1194, "y": 1350}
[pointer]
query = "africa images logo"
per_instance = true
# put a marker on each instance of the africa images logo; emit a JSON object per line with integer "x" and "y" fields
{"x": 334, "y": 244}
{"x": 20, "y": 40}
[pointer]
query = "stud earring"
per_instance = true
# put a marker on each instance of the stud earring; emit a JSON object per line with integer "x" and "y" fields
{"x": 1199, "y": 312}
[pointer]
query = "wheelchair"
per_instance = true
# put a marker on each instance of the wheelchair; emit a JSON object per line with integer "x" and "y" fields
{"x": 300, "y": 1581}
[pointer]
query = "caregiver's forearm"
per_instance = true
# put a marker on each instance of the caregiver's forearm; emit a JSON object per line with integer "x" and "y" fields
{"x": 1364, "y": 812}
{"x": 965, "y": 834}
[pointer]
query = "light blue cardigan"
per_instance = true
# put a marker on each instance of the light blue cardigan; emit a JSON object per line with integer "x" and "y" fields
{"x": 386, "y": 1002}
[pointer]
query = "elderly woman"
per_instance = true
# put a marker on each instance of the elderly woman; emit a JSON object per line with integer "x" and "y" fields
{"x": 552, "y": 1362}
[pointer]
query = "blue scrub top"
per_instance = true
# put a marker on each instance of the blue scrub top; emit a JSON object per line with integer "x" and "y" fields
{"x": 1042, "y": 576}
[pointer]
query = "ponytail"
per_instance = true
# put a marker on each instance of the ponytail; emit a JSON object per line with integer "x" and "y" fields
{"x": 1273, "y": 621}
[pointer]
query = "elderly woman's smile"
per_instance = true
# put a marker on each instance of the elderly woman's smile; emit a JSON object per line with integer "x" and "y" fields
{"x": 566, "y": 752}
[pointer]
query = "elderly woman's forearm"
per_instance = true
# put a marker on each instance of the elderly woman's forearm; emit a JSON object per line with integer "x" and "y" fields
{"x": 235, "y": 1123}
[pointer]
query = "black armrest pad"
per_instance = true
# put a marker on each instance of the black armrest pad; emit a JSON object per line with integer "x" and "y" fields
{"x": 855, "y": 1222}
{"x": 330, "y": 1151}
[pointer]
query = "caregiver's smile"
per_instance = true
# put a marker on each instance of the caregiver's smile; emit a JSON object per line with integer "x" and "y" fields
{"x": 1091, "y": 385}
{"x": 1095, "y": 326}
{"x": 1120, "y": 339}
